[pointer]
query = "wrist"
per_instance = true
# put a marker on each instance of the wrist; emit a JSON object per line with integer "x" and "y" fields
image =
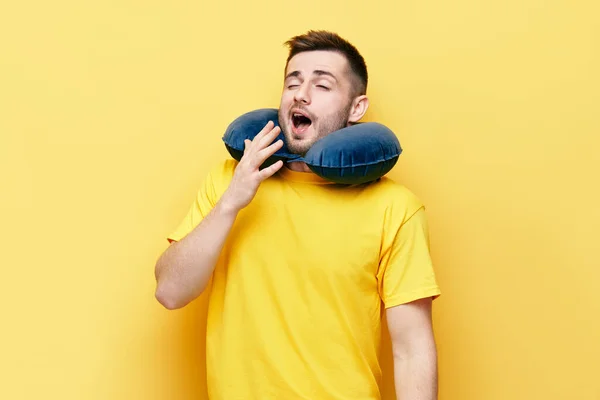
{"x": 226, "y": 206}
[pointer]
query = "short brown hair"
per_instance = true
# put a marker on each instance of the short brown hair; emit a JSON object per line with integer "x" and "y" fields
{"x": 324, "y": 40}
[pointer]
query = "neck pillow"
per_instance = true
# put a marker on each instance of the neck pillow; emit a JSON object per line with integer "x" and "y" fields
{"x": 356, "y": 154}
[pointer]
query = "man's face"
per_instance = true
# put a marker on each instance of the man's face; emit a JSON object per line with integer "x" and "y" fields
{"x": 316, "y": 98}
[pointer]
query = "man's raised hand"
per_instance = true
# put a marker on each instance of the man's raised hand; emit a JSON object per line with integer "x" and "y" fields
{"x": 248, "y": 176}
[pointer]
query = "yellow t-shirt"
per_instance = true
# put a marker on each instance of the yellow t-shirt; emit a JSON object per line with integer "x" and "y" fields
{"x": 297, "y": 296}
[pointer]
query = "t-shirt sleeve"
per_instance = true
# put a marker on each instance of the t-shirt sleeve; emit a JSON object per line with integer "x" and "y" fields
{"x": 406, "y": 270}
{"x": 207, "y": 196}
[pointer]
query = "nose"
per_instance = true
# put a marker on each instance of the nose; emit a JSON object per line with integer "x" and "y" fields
{"x": 301, "y": 95}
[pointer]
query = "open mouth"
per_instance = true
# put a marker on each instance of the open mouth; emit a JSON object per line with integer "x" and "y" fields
{"x": 300, "y": 122}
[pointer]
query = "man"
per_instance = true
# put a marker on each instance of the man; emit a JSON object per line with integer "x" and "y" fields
{"x": 301, "y": 271}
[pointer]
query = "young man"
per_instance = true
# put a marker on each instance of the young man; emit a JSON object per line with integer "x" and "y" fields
{"x": 301, "y": 271}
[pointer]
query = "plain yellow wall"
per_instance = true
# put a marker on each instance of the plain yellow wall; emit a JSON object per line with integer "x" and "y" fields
{"x": 111, "y": 113}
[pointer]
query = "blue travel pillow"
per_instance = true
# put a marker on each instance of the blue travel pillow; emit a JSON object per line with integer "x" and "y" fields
{"x": 352, "y": 155}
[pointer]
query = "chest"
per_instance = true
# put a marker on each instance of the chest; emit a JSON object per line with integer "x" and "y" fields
{"x": 321, "y": 237}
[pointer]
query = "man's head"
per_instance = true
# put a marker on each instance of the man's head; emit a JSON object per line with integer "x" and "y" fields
{"x": 325, "y": 86}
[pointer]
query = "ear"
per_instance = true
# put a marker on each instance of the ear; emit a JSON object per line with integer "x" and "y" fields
{"x": 359, "y": 107}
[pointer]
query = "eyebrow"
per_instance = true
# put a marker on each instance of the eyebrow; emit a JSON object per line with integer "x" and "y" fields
{"x": 317, "y": 72}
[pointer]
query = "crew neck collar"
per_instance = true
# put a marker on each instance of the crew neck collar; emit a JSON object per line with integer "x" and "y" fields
{"x": 305, "y": 177}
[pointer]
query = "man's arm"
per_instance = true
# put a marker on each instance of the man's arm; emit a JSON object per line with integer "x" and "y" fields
{"x": 414, "y": 350}
{"x": 184, "y": 269}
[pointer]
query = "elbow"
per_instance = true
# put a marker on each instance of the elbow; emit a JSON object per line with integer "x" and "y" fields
{"x": 169, "y": 298}
{"x": 166, "y": 292}
{"x": 172, "y": 291}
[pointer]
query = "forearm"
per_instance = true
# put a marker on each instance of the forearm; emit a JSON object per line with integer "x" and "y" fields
{"x": 184, "y": 269}
{"x": 415, "y": 374}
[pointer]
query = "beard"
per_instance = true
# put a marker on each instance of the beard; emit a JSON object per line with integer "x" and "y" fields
{"x": 321, "y": 126}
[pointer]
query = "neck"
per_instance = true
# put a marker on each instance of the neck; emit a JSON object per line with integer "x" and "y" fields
{"x": 298, "y": 166}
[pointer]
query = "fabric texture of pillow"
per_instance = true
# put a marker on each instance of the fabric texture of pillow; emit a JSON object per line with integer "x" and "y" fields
{"x": 356, "y": 154}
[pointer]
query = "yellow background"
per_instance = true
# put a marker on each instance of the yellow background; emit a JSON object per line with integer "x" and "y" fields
{"x": 112, "y": 111}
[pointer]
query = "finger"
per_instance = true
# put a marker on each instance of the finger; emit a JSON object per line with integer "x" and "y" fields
{"x": 256, "y": 142}
{"x": 263, "y": 154}
{"x": 266, "y": 129}
{"x": 270, "y": 170}
{"x": 269, "y": 137}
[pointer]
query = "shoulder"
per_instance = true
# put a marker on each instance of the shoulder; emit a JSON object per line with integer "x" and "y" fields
{"x": 223, "y": 169}
{"x": 217, "y": 178}
{"x": 395, "y": 197}
{"x": 394, "y": 204}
